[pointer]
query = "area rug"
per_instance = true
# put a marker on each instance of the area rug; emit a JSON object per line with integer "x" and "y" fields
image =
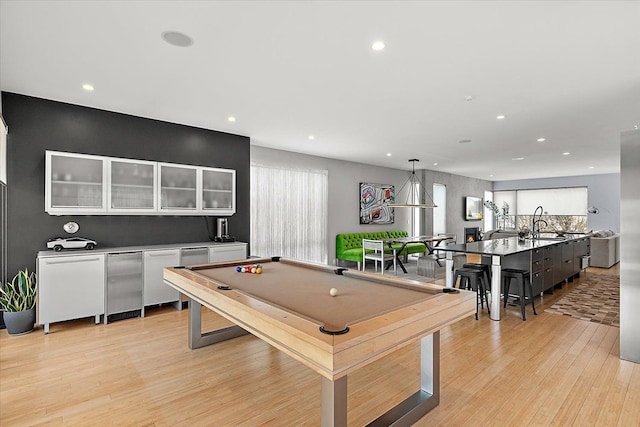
{"x": 597, "y": 300}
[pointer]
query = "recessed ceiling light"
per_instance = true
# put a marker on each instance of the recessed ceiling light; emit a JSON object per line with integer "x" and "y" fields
{"x": 635, "y": 127}
{"x": 88, "y": 87}
{"x": 468, "y": 98}
{"x": 500, "y": 117}
{"x": 518, "y": 158}
{"x": 311, "y": 137}
{"x": 435, "y": 164}
{"x": 591, "y": 167}
{"x": 388, "y": 154}
{"x": 176, "y": 38}
{"x": 231, "y": 119}
{"x": 378, "y": 45}
{"x": 541, "y": 139}
{"x": 566, "y": 153}
{"x": 464, "y": 141}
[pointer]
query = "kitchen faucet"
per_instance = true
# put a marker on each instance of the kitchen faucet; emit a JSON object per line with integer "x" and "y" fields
{"x": 536, "y": 222}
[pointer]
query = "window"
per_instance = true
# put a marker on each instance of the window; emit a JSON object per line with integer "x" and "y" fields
{"x": 440, "y": 213}
{"x": 416, "y": 216}
{"x": 289, "y": 213}
{"x": 564, "y": 209}
{"x": 488, "y": 220}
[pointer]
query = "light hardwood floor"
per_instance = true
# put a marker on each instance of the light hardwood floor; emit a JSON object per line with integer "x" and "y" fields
{"x": 549, "y": 370}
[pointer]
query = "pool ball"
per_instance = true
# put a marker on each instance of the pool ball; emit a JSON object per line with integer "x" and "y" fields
{"x": 333, "y": 292}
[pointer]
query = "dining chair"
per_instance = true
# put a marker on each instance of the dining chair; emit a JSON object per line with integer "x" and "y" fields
{"x": 377, "y": 251}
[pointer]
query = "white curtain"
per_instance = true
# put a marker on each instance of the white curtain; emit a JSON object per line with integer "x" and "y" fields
{"x": 440, "y": 213}
{"x": 554, "y": 201}
{"x": 289, "y": 213}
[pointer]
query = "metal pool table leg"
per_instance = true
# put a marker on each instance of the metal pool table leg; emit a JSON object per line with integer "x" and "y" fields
{"x": 334, "y": 402}
{"x": 197, "y": 339}
{"x": 424, "y": 400}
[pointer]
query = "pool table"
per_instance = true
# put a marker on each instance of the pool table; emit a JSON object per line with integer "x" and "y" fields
{"x": 289, "y": 306}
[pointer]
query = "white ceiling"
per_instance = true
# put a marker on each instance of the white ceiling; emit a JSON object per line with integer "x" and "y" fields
{"x": 565, "y": 71}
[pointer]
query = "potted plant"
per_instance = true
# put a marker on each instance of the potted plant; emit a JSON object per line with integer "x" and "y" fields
{"x": 18, "y": 302}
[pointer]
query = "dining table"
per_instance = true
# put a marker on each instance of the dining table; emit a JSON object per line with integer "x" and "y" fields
{"x": 431, "y": 243}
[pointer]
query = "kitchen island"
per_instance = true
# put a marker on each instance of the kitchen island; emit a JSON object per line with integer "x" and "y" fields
{"x": 549, "y": 260}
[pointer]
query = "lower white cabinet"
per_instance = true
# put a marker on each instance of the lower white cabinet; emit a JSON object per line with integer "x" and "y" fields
{"x": 118, "y": 281}
{"x": 228, "y": 252}
{"x": 70, "y": 287}
{"x": 155, "y": 291}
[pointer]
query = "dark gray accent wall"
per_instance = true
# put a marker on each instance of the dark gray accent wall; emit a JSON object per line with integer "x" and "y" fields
{"x": 37, "y": 125}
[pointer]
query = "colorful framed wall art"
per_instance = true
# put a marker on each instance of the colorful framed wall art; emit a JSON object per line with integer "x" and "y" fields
{"x": 373, "y": 203}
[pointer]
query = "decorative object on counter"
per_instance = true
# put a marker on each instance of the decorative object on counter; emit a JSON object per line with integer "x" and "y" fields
{"x": 18, "y": 301}
{"x": 523, "y": 233}
{"x": 59, "y": 243}
{"x": 499, "y": 215}
{"x": 71, "y": 227}
{"x": 416, "y": 193}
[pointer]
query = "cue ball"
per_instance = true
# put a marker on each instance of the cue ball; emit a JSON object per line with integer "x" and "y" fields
{"x": 333, "y": 292}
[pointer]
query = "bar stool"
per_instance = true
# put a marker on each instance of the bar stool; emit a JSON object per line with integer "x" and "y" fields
{"x": 473, "y": 279}
{"x": 522, "y": 279}
{"x": 486, "y": 269}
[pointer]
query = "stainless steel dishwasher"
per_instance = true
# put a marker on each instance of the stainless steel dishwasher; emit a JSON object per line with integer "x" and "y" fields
{"x": 124, "y": 285}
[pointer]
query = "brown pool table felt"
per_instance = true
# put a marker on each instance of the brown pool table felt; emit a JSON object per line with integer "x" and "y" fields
{"x": 305, "y": 291}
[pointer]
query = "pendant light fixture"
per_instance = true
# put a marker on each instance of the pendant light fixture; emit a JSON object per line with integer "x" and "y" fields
{"x": 417, "y": 195}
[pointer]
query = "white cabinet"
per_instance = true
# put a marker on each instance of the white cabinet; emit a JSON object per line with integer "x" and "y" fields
{"x": 70, "y": 287}
{"x": 155, "y": 291}
{"x": 228, "y": 252}
{"x": 74, "y": 183}
{"x": 178, "y": 188}
{"x": 116, "y": 283}
{"x": 80, "y": 184}
{"x": 218, "y": 191}
{"x": 132, "y": 186}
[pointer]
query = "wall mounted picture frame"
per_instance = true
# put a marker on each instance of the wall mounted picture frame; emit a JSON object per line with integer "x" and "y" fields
{"x": 473, "y": 208}
{"x": 373, "y": 203}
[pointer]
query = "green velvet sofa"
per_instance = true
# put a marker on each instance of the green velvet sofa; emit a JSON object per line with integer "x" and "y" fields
{"x": 349, "y": 245}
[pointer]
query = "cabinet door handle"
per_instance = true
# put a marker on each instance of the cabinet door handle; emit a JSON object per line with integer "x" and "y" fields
{"x": 72, "y": 260}
{"x": 160, "y": 255}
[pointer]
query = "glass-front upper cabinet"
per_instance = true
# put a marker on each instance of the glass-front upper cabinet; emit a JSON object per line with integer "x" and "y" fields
{"x": 132, "y": 186}
{"x": 219, "y": 191}
{"x": 75, "y": 183}
{"x": 82, "y": 184}
{"x": 178, "y": 187}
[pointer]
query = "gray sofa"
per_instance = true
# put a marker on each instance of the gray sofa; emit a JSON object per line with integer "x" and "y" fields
{"x": 499, "y": 234}
{"x": 605, "y": 249}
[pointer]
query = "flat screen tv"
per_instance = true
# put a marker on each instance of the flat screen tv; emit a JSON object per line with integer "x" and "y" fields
{"x": 473, "y": 208}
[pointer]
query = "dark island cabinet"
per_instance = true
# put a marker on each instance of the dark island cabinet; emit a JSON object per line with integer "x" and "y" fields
{"x": 552, "y": 266}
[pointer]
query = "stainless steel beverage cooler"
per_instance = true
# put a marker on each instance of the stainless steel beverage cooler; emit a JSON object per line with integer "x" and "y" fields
{"x": 124, "y": 286}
